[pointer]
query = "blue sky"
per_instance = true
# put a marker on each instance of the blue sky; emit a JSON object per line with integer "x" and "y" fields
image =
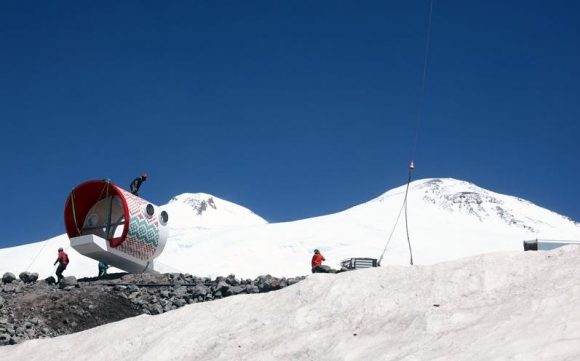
{"x": 292, "y": 109}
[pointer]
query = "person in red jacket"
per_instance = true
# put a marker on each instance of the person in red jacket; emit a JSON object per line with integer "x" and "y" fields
{"x": 63, "y": 262}
{"x": 317, "y": 262}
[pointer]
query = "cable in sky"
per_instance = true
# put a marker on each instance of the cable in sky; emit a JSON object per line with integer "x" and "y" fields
{"x": 422, "y": 88}
{"x": 414, "y": 147}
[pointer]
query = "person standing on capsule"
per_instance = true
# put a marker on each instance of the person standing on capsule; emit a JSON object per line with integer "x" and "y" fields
{"x": 136, "y": 184}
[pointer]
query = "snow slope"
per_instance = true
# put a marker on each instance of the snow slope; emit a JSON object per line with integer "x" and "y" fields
{"x": 501, "y": 306}
{"x": 448, "y": 219}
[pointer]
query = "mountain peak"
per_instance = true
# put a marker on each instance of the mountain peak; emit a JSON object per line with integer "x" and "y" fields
{"x": 462, "y": 197}
{"x": 198, "y": 201}
{"x": 202, "y": 209}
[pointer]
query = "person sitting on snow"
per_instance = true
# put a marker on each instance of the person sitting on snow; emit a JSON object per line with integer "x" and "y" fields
{"x": 317, "y": 262}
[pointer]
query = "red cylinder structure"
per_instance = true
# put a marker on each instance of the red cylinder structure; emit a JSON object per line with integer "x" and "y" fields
{"x": 109, "y": 224}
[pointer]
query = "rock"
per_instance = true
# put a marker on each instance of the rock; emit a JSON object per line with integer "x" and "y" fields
{"x": 222, "y": 287}
{"x": 268, "y": 283}
{"x": 234, "y": 290}
{"x": 26, "y": 277}
{"x": 60, "y": 313}
{"x": 8, "y": 277}
{"x": 156, "y": 309}
{"x": 180, "y": 292}
{"x": 179, "y": 302}
{"x": 14, "y": 340}
{"x": 33, "y": 277}
{"x": 68, "y": 281}
{"x": 199, "y": 291}
{"x": 231, "y": 280}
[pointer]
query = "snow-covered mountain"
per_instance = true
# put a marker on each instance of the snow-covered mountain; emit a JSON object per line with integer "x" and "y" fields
{"x": 205, "y": 210}
{"x": 467, "y": 198}
{"x": 447, "y": 219}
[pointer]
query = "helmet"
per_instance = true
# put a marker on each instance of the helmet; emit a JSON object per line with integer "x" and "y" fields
{"x": 60, "y": 249}
{"x": 144, "y": 175}
{"x": 316, "y": 251}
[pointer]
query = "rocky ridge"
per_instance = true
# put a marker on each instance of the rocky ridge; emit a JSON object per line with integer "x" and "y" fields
{"x": 31, "y": 309}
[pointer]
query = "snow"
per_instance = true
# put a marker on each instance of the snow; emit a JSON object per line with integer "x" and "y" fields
{"x": 473, "y": 293}
{"x": 448, "y": 219}
{"x": 497, "y": 306}
{"x": 201, "y": 209}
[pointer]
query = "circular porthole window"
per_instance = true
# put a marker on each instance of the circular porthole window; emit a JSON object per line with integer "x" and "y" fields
{"x": 164, "y": 217}
{"x": 150, "y": 210}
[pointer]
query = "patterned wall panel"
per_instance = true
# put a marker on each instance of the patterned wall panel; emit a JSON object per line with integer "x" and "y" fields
{"x": 143, "y": 236}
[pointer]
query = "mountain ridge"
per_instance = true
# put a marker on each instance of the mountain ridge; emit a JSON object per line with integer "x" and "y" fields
{"x": 446, "y": 219}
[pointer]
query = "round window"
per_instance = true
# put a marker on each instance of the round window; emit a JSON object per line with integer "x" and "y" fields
{"x": 164, "y": 217}
{"x": 150, "y": 210}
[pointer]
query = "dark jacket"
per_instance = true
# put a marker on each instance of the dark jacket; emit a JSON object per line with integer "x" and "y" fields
{"x": 136, "y": 184}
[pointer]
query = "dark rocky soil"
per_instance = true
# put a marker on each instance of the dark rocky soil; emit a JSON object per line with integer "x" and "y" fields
{"x": 30, "y": 310}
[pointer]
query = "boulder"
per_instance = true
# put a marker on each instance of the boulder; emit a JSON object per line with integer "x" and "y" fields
{"x": 234, "y": 290}
{"x": 4, "y": 339}
{"x": 156, "y": 309}
{"x": 68, "y": 281}
{"x": 27, "y": 277}
{"x": 222, "y": 287}
{"x": 199, "y": 291}
{"x": 8, "y": 277}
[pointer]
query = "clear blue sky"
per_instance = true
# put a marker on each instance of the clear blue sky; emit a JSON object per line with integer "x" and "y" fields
{"x": 292, "y": 109}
